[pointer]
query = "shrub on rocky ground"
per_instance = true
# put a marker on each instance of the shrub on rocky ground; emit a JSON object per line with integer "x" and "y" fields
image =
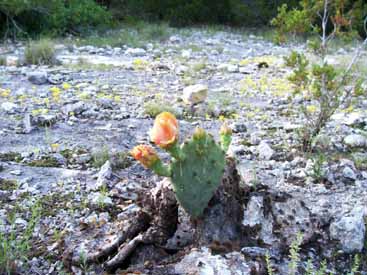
{"x": 324, "y": 87}
{"x": 40, "y": 52}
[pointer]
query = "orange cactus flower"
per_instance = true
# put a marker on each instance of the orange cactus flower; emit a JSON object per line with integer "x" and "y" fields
{"x": 145, "y": 154}
{"x": 165, "y": 130}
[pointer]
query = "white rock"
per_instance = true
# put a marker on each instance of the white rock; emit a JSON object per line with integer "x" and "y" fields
{"x": 104, "y": 175}
{"x": 232, "y": 68}
{"x": 195, "y": 94}
{"x": 350, "y": 231}
{"x": 175, "y": 39}
{"x": 135, "y": 52}
{"x": 186, "y": 54}
{"x": 9, "y": 107}
{"x": 355, "y": 140}
{"x": 349, "y": 173}
{"x": 204, "y": 263}
{"x": 265, "y": 151}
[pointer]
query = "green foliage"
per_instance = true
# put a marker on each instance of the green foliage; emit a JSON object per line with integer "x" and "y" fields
{"x": 20, "y": 17}
{"x": 346, "y": 18}
{"x": 269, "y": 268}
{"x": 318, "y": 171}
{"x": 135, "y": 34}
{"x": 14, "y": 246}
{"x": 182, "y": 13}
{"x": 299, "y": 64}
{"x": 294, "y": 22}
{"x": 100, "y": 156}
{"x": 40, "y": 52}
{"x": 197, "y": 175}
{"x": 294, "y": 254}
{"x": 323, "y": 87}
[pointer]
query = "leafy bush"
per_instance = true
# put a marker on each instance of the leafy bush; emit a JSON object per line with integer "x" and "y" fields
{"x": 325, "y": 88}
{"x": 40, "y": 52}
{"x": 19, "y": 17}
{"x": 181, "y": 13}
{"x": 346, "y": 20}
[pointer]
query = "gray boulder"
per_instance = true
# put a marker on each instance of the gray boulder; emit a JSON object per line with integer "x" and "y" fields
{"x": 350, "y": 231}
{"x": 37, "y": 78}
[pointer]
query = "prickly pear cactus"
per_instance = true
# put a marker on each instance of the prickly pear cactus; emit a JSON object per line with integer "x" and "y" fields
{"x": 197, "y": 175}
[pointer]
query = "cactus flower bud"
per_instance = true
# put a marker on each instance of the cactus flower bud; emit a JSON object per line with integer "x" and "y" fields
{"x": 199, "y": 133}
{"x": 145, "y": 154}
{"x": 165, "y": 130}
{"x": 225, "y": 130}
{"x": 225, "y": 136}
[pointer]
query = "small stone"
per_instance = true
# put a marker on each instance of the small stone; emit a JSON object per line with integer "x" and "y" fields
{"x": 104, "y": 175}
{"x": 265, "y": 151}
{"x": 45, "y": 120}
{"x": 9, "y": 107}
{"x": 186, "y": 54}
{"x": 75, "y": 108}
{"x": 232, "y": 68}
{"x": 27, "y": 124}
{"x": 355, "y": 140}
{"x": 195, "y": 94}
{"x": 175, "y": 39}
{"x": 239, "y": 127}
{"x": 16, "y": 172}
{"x": 135, "y": 52}
{"x": 349, "y": 173}
{"x": 37, "y": 78}
{"x": 99, "y": 199}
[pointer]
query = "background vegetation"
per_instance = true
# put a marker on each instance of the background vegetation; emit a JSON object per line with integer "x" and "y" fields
{"x": 58, "y": 17}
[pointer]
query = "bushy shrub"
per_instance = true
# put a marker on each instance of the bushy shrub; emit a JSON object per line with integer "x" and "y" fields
{"x": 324, "y": 87}
{"x": 346, "y": 20}
{"x": 19, "y": 17}
{"x": 40, "y": 52}
{"x": 181, "y": 13}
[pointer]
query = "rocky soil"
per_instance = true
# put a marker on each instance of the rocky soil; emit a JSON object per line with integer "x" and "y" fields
{"x": 66, "y": 131}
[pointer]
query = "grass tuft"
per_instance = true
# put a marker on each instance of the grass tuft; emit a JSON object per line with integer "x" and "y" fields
{"x": 40, "y": 52}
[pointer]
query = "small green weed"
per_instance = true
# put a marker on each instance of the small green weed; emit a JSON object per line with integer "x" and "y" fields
{"x": 16, "y": 247}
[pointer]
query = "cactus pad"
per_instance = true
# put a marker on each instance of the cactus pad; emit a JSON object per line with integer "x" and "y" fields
{"x": 198, "y": 174}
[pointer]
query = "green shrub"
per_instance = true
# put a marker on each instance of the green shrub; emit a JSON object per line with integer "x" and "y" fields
{"x": 182, "y": 13}
{"x": 19, "y": 17}
{"x": 345, "y": 16}
{"x": 322, "y": 85}
{"x": 40, "y": 52}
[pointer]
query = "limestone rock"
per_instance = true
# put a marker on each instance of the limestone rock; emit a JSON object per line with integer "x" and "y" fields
{"x": 350, "y": 231}
{"x": 195, "y": 94}
{"x": 37, "y": 78}
{"x": 204, "y": 263}
{"x": 265, "y": 151}
{"x": 355, "y": 140}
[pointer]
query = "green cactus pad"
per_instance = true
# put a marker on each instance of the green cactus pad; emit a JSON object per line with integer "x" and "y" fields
{"x": 196, "y": 177}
